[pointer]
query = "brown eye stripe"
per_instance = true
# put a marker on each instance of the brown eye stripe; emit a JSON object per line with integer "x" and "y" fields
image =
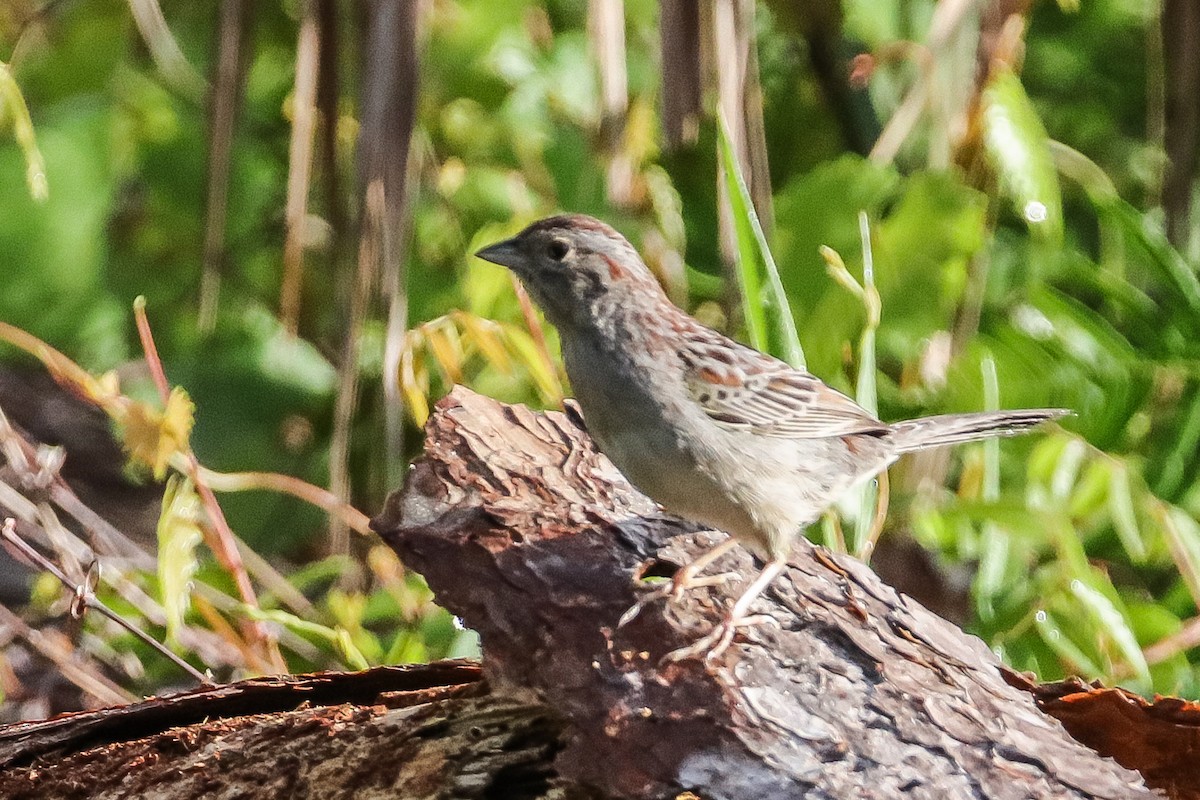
{"x": 615, "y": 270}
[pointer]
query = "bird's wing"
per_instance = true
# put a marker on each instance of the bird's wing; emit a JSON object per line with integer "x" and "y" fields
{"x": 741, "y": 388}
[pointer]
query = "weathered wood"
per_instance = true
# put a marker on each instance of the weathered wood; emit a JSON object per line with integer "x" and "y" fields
{"x": 27, "y": 742}
{"x": 533, "y": 537}
{"x": 1160, "y": 739}
{"x": 424, "y": 732}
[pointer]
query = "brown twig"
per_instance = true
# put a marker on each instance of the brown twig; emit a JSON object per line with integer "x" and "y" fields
{"x": 58, "y": 650}
{"x": 606, "y": 35}
{"x": 948, "y": 15}
{"x": 222, "y": 542}
{"x": 682, "y": 72}
{"x": 529, "y": 314}
{"x": 300, "y": 158}
{"x": 226, "y": 97}
{"x": 1187, "y": 637}
{"x": 287, "y": 484}
{"x": 391, "y": 65}
{"x": 77, "y": 380}
{"x": 85, "y": 597}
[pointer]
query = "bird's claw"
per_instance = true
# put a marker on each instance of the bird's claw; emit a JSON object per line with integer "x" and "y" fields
{"x": 716, "y": 642}
{"x": 673, "y": 591}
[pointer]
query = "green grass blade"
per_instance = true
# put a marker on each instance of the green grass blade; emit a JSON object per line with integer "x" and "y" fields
{"x": 867, "y": 392}
{"x": 1163, "y": 258}
{"x": 770, "y": 324}
{"x": 1112, "y": 621}
{"x": 1018, "y": 149}
{"x": 996, "y": 545}
{"x": 12, "y": 104}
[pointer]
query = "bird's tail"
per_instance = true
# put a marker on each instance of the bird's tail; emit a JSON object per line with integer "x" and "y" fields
{"x": 921, "y": 434}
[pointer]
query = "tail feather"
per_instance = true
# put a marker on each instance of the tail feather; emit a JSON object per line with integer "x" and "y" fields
{"x": 921, "y": 434}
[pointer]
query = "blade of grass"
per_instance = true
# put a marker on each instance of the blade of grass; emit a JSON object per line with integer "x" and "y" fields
{"x": 1017, "y": 146}
{"x": 872, "y": 509}
{"x": 35, "y": 167}
{"x": 996, "y": 540}
{"x": 1112, "y": 620}
{"x": 769, "y": 318}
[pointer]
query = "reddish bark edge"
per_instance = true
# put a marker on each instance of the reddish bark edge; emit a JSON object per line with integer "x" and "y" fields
{"x": 1159, "y": 738}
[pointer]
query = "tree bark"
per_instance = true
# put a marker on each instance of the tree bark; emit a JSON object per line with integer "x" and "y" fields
{"x": 530, "y": 535}
{"x": 417, "y": 732}
{"x": 522, "y": 528}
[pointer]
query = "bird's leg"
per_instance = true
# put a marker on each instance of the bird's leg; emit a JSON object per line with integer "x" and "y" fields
{"x": 721, "y": 636}
{"x": 687, "y": 576}
{"x": 684, "y": 578}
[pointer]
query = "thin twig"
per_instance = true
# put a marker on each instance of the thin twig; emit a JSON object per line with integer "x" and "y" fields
{"x": 1187, "y": 637}
{"x": 58, "y": 650}
{"x": 300, "y": 158}
{"x": 287, "y": 484}
{"x": 226, "y": 94}
{"x": 535, "y": 329}
{"x": 395, "y": 289}
{"x": 947, "y": 16}
{"x": 121, "y": 551}
{"x": 165, "y": 51}
{"x": 77, "y": 380}
{"x": 223, "y": 542}
{"x": 606, "y": 35}
{"x": 347, "y": 384}
{"x": 85, "y": 597}
{"x": 151, "y": 350}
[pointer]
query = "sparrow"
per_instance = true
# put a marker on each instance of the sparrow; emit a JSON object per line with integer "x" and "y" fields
{"x": 712, "y": 430}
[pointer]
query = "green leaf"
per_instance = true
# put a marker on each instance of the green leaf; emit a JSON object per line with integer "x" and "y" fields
{"x": 1164, "y": 258}
{"x": 1092, "y": 489}
{"x": 1176, "y": 463}
{"x": 769, "y": 319}
{"x": 1120, "y": 507}
{"x": 1019, "y": 151}
{"x": 993, "y": 564}
{"x": 1113, "y": 622}
{"x": 178, "y": 536}
{"x": 13, "y": 101}
{"x": 1183, "y": 538}
{"x": 1060, "y": 642}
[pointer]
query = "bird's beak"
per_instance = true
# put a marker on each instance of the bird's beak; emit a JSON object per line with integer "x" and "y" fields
{"x": 505, "y": 253}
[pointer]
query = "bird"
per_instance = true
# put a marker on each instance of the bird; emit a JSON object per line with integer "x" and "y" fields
{"x": 712, "y": 430}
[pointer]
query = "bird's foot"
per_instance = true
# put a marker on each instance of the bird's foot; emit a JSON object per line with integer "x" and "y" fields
{"x": 718, "y": 640}
{"x": 672, "y": 590}
{"x": 686, "y": 577}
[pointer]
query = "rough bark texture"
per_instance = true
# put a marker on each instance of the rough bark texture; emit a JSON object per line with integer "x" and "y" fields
{"x": 530, "y": 535}
{"x": 423, "y": 732}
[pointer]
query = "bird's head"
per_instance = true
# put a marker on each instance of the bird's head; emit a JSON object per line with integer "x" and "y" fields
{"x": 576, "y": 267}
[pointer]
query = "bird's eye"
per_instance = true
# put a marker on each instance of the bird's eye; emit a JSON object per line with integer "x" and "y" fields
{"x": 558, "y": 249}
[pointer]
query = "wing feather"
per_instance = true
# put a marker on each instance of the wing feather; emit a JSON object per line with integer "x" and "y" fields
{"x": 741, "y": 388}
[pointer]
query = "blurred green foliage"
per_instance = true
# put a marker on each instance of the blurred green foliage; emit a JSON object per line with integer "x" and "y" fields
{"x": 1024, "y": 233}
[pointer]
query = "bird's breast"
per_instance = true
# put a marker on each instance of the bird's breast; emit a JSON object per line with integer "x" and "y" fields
{"x": 636, "y": 412}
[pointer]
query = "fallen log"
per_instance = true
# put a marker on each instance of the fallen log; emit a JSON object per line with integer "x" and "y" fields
{"x": 537, "y": 542}
{"x": 530, "y": 535}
